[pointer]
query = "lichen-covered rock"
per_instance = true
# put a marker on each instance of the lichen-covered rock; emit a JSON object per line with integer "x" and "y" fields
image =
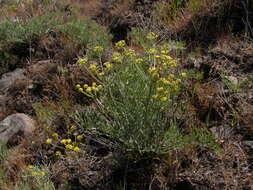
{"x": 16, "y": 125}
{"x": 9, "y": 78}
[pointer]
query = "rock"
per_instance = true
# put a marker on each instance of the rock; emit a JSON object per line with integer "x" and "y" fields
{"x": 44, "y": 66}
{"x": 248, "y": 145}
{"x": 14, "y": 125}
{"x": 9, "y": 78}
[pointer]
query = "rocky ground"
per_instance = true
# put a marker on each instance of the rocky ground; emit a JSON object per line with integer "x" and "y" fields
{"x": 38, "y": 90}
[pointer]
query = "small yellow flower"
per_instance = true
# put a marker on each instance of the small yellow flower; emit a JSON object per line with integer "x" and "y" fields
{"x": 139, "y": 61}
{"x": 164, "y": 51}
{"x": 93, "y": 67}
{"x": 79, "y": 137}
{"x": 116, "y": 57}
{"x": 130, "y": 53}
{"x": 69, "y": 146}
{"x": 183, "y": 74}
{"x": 82, "y": 61}
{"x": 164, "y": 98}
{"x": 55, "y": 135}
{"x": 100, "y": 87}
{"x": 89, "y": 89}
{"x": 49, "y": 141}
{"x": 107, "y": 65}
{"x": 160, "y": 89}
{"x": 42, "y": 173}
{"x": 152, "y": 69}
{"x": 58, "y": 153}
{"x": 101, "y": 74}
{"x": 155, "y": 96}
{"x": 98, "y": 49}
{"x": 152, "y": 51}
{"x": 119, "y": 45}
{"x": 80, "y": 89}
{"x": 85, "y": 86}
{"x": 34, "y": 174}
{"x": 152, "y": 36}
{"x": 64, "y": 141}
{"x": 68, "y": 140}
{"x": 95, "y": 89}
{"x": 30, "y": 166}
{"x": 76, "y": 149}
{"x": 78, "y": 86}
{"x": 72, "y": 127}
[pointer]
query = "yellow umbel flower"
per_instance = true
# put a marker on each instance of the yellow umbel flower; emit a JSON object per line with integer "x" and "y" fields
{"x": 155, "y": 96}
{"x": 72, "y": 127}
{"x": 64, "y": 141}
{"x": 93, "y": 67}
{"x": 139, "y": 61}
{"x": 82, "y": 61}
{"x": 58, "y": 153}
{"x": 119, "y": 45}
{"x": 152, "y": 36}
{"x": 98, "y": 49}
{"x": 130, "y": 53}
{"x": 116, "y": 57}
{"x": 164, "y": 98}
{"x": 68, "y": 140}
{"x": 152, "y": 51}
{"x": 78, "y": 86}
{"x": 160, "y": 89}
{"x": 89, "y": 89}
{"x": 76, "y": 149}
{"x": 49, "y": 141}
{"x": 30, "y": 166}
{"x": 55, "y": 135}
{"x": 107, "y": 65}
{"x": 85, "y": 86}
{"x": 79, "y": 137}
{"x": 183, "y": 74}
{"x": 152, "y": 69}
{"x": 69, "y": 146}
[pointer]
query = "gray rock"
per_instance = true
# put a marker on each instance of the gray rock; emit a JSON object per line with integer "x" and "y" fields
{"x": 248, "y": 144}
{"x": 16, "y": 124}
{"x": 9, "y": 78}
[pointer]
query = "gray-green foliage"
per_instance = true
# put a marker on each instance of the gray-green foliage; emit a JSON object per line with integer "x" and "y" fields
{"x": 24, "y": 30}
{"x": 86, "y": 32}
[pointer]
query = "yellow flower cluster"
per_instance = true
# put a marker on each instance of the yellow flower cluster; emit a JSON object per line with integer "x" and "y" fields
{"x": 119, "y": 45}
{"x": 35, "y": 171}
{"x": 98, "y": 49}
{"x": 129, "y": 53}
{"x": 82, "y": 61}
{"x": 138, "y": 61}
{"x": 152, "y": 36}
{"x": 94, "y": 88}
{"x": 108, "y": 65}
{"x": 93, "y": 67}
{"x": 116, "y": 56}
{"x": 70, "y": 145}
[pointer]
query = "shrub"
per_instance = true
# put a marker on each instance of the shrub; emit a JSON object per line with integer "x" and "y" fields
{"x": 23, "y": 31}
{"x": 86, "y": 32}
{"x": 137, "y": 98}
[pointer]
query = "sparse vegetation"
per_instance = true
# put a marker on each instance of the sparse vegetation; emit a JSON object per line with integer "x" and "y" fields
{"x": 168, "y": 106}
